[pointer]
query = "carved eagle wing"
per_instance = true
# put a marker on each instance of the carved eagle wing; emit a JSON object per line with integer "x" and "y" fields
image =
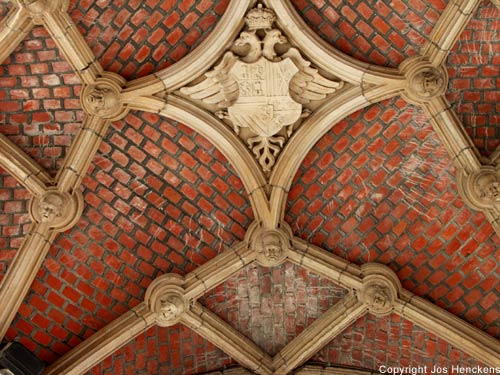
{"x": 307, "y": 84}
{"x": 218, "y": 87}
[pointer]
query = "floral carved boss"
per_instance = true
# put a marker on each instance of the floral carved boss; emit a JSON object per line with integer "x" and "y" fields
{"x": 261, "y": 87}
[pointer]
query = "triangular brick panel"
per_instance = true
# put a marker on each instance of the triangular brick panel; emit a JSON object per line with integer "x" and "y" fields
{"x": 14, "y": 218}
{"x": 380, "y": 187}
{"x": 164, "y": 351}
{"x": 379, "y": 32}
{"x": 271, "y": 306}
{"x": 159, "y": 198}
{"x": 135, "y": 38}
{"x": 474, "y": 89}
{"x": 391, "y": 341}
{"x": 41, "y": 112}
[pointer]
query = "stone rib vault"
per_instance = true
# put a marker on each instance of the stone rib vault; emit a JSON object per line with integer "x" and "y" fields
{"x": 263, "y": 89}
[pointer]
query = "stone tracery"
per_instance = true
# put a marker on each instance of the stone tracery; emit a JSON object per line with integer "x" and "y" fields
{"x": 424, "y": 83}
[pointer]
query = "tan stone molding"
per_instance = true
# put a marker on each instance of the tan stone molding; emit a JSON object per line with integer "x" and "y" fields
{"x": 450, "y": 25}
{"x": 374, "y": 289}
{"x": 424, "y": 81}
{"x": 226, "y": 142}
{"x": 13, "y": 29}
{"x": 81, "y": 153}
{"x": 270, "y": 246}
{"x": 103, "y": 98}
{"x": 380, "y": 290}
{"x": 217, "y": 270}
{"x": 24, "y": 169}
{"x": 59, "y": 210}
{"x": 447, "y": 326}
{"x": 325, "y": 264}
{"x": 22, "y": 271}
{"x": 207, "y": 53}
{"x": 214, "y": 329}
{"x": 318, "y": 334}
{"x": 165, "y": 297}
{"x": 473, "y": 179}
{"x": 311, "y": 131}
{"x": 71, "y": 43}
{"x": 231, "y": 371}
{"x": 452, "y": 134}
{"x": 325, "y": 56}
{"x": 496, "y": 3}
{"x": 104, "y": 342}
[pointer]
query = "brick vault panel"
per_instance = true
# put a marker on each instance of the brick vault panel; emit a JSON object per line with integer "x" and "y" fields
{"x": 41, "y": 112}
{"x": 473, "y": 67}
{"x": 379, "y": 187}
{"x": 14, "y": 218}
{"x": 379, "y": 32}
{"x": 158, "y": 198}
{"x": 391, "y": 341}
{"x": 271, "y": 306}
{"x": 164, "y": 351}
{"x": 135, "y": 38}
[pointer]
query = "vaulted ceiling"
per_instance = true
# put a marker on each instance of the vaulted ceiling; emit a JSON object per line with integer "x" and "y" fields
{"x": 374, "y": 174}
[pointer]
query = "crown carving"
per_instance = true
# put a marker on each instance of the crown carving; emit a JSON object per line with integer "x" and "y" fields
{"x": 260, "y": 18}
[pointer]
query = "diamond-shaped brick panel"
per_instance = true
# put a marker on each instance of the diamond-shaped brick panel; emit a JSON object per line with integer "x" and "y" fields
{"x": 392, "y": 341}
{"x": 271, "y": 306}
{"x": 380, "y": 187}
{"x": 164, "y": 351}
{"x": 14, "y": 218}
{"x": 474, "y": 88}
{"x": 379, "y": 32}
{"x": 39, "y": 106}
{"x": 158, "y": 198}
{"x": 135, "y": 37}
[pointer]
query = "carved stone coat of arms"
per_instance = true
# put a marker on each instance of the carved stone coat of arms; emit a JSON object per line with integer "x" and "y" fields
{"x": 257, "y": 88}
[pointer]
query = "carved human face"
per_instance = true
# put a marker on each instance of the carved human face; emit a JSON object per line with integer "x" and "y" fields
{"x": 272, "y": 247}
{"x": 51, "y": 207}
{"x": 169, "y": 309}
{"x": 489, "y": 187}
{"x": 377, "y": 298}
{"x": 429, "y": 82}
{"x": 100, "y": 99}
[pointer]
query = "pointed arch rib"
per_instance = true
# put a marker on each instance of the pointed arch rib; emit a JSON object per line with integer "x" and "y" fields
{"x": 207, "y": 53}
{"x": 13, "y": 29}
{"x": 447, "y": 326}
{"x": 349, "y": 101}
{"x": 450, "y": 25}
{"x": 104, "y": 342}
{"x": 24, "y": 169}
{"x": 327, "y": 57}
{"x": 21, "y": 273}
{"x": 81, "y": 153}
{"x": 72, "y": 45}
{"x": 318, "y": 334}
{"x": 209, "y": 326}
{"x": 229, "y": 144}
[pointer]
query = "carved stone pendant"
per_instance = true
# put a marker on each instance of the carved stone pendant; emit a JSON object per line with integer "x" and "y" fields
{"x": 260, "y": 90}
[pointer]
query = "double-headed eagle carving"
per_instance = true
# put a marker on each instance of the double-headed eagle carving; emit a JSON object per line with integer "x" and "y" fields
{"x": 258, "y": 88}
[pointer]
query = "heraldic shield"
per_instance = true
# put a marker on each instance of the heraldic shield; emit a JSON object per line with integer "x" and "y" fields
{"x": 264, "y": 104}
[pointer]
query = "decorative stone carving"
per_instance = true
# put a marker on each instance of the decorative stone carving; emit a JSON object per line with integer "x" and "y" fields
{"x": 271, "y": 246}
{"x": 261, "y": 86}
{"x": 59, "y": 210}
{"x": 423, "y": 80}
{"x": 481, "y": 190}
{"x": 103, "y": 98}
{"x": 165, "y": 297}
{"x": 38, "y": 7}
{"x": 380, "y": 289}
